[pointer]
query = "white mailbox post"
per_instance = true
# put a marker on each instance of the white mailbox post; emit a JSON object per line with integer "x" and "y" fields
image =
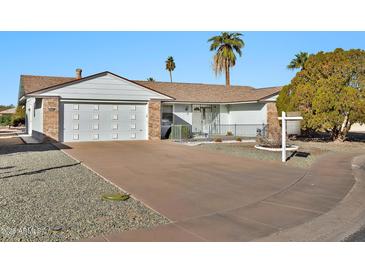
{"x": 283, "y": 119}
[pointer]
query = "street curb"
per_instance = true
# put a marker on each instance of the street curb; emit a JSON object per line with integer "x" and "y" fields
{"x": 337, "y": 224}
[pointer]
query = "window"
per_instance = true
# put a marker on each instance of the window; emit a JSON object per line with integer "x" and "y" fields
{"x": 75, "y": 117}
{"x": 115, "y": 107}
{"x": 133, "y": 136}
{"x": 76, "y": 126}
{"x": 96, "y": 116}
{"x": 75, "y": 136}
{"x": 115, "y": 136}
{"x": 96, "y": 107}
{"x": 96, "y": 126}
{"x": 76, "y": 107}
{"x": 133, "y": 107}
{"x": 115, "y": 116}
{"x": 133, "y": 117}
{"x": 133, "y": 126}
{"x": 95, "y": 136}
{"x": 115, "y": 126}
{"x": 167, "y": 114}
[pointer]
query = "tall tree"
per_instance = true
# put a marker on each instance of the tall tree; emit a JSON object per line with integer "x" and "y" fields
{"x": 225, "y": 46}
{"x": 150, "y": 79}
{"x": 299, "y": 61}
{"x": 170, "y": 66}
{"x": 329, "y": 92}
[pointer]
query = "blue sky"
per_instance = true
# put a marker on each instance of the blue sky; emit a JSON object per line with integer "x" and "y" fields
{"x": 138, "y": 55}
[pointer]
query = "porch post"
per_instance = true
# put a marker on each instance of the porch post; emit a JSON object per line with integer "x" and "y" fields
{"x": 283, "y": 137}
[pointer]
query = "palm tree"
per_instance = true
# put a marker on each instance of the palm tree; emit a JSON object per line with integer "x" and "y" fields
{"x": 299, "y": 61}
{"x": 225, "y": 45}
{"x": 170, "y": 66}
{"x": 150, "y": 79}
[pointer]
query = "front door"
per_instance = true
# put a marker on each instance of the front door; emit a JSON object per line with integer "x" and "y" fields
{"x": 202, "y": 118}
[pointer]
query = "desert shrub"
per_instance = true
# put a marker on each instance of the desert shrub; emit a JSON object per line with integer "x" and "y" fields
{"x": 19, "y": 116}
{"x": 218, "y": 140}
{"x": 5, "y": 120}
{"x": 17, "y": 121}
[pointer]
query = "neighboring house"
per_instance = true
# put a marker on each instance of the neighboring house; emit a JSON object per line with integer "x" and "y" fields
{"x": 9, "y": 111}
{"x": 106, "y": 106}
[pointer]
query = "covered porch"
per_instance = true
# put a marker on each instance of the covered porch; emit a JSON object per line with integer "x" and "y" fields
{"x": 187, "y": 121}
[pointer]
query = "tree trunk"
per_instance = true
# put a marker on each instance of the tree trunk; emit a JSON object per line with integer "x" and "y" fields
{"x": 228, "y": 81}
{"x": 170, "y": 76}
{"x": 335, "y": 132}
{"x": 345, "y": 128}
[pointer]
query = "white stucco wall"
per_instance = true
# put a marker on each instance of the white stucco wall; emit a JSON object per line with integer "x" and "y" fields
{"x": 182, "y": 114}
{"x": 106, "y": 87}
{"x": 224, "y": 114}
{"x": 37, "y": 119}
{"x": 253, "y": 113}
{"x": 29, "y": 106}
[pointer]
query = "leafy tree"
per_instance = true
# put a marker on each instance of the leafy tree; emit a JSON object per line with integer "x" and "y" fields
{"x": 329, "y": 92}
{"x": 150, "y": 79}
{"x": 299, "y": 61}
{"x": 19, "y": 116}
{"x": 170, "y": 66}
{"x": 226, "y": 45}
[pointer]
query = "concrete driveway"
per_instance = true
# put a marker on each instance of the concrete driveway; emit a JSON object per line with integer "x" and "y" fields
{"x": 213, "y": 197}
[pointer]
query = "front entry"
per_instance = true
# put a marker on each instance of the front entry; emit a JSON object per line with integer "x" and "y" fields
{"x": 203, "y": 116}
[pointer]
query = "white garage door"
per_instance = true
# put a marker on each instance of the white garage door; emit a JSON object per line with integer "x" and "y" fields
{"x": 104, "y": 122}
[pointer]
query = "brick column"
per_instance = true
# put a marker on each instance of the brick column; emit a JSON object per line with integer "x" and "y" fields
{"x": 154, "y": 120}
{"x": 51, "y": 119}
{"x": 273, "y": 122}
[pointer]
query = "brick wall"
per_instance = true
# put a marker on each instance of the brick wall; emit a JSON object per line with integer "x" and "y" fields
{"x": 51, "y": 119}
{"x": 273, "y": 122}
{"x": 154, "y": 120}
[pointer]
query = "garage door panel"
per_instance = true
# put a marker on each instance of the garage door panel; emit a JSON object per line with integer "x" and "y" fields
{"x": 92, "y": 122}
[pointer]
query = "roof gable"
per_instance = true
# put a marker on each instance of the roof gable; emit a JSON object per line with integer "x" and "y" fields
{"x": 102, "y": 86}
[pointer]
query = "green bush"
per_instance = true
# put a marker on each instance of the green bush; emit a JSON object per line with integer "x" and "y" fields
{"x": 229, "y": 133}
{"x": 19, "y": 117}
{"x": 5, "y": 120}
{"x": 17, "y": 121}
{"x": 238, "y": 139}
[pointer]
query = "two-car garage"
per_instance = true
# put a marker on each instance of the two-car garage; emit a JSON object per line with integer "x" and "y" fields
{"x": 100, "y": 107}
{"x": 103, "y": 122}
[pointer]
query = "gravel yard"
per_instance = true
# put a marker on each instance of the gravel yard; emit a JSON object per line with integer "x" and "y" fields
{"x": 316, "y": 149}
{"x": 47, "y": 196}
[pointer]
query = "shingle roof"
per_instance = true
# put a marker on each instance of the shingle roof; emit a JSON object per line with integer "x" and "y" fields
{"x": 182, "y": 92}
{"x": 31, "y": 83}
{"x": 189, "y": 92}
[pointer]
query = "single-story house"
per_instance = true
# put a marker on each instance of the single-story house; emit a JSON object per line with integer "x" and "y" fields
{"x": 106, "y": 106}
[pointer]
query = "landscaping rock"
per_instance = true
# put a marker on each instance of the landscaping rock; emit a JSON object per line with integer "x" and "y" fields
{"x": 49, "y": 197}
